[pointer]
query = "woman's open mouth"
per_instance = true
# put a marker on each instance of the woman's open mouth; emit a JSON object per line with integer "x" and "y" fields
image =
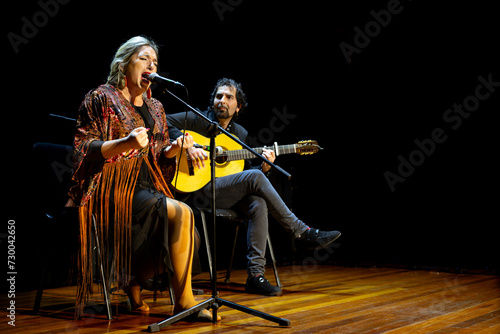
{"x": 145, "y": 77}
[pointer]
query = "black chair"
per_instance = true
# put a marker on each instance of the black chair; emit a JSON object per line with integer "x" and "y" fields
{"x": 55, "y": 171}
{"x": 231, "y": 216}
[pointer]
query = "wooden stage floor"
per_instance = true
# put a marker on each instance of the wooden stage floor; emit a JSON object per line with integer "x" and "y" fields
{"x": 326, "y": 299}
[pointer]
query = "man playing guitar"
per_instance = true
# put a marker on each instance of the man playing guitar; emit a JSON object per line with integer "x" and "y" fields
{"x": 250, "y": 190}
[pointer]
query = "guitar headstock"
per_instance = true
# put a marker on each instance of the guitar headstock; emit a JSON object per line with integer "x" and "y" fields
{"x": 305, "y": 147}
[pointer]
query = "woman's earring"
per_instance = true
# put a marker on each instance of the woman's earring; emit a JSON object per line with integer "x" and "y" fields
{"x": 149, "y": 93}
{"x": 122, "y": 83}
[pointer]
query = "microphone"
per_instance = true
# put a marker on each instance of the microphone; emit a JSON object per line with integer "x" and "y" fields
{"x": 218, "y": 149}
{"x": 155, "y": 77}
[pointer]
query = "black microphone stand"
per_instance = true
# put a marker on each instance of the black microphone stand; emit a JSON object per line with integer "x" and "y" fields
{"x": 215, "y": 302}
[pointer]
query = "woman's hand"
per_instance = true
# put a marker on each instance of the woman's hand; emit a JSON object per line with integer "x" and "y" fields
{"x": 173, "y": 149}
{"x": 136, "y": 140}
{"x": 188, "y": 141}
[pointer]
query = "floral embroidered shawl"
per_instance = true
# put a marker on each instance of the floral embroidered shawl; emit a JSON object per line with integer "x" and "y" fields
{"x": 103, "y": 190}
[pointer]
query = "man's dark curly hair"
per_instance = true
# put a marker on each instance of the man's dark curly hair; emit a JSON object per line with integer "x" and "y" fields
{"x": 240, "y": 95}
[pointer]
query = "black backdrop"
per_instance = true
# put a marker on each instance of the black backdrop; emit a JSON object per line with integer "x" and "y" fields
{"x": 366, "y": 109}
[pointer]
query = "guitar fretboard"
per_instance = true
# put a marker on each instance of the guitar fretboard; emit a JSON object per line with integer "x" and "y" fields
{"x": 244, "y": 154}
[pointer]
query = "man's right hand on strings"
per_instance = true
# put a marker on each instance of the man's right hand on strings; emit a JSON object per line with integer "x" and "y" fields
{"x": 197, "y": 156}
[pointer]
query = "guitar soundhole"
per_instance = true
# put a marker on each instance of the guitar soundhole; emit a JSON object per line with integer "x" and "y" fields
{"x": 221, "y": 159}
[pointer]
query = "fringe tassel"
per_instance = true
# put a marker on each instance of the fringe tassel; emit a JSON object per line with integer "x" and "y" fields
{"x": 158, "y": 179}
{"x": 112, "y": 197}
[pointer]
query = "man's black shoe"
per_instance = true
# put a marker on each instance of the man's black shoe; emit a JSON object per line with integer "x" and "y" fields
{"x": 314, "y": 238}
{"x": 260, "y": 286}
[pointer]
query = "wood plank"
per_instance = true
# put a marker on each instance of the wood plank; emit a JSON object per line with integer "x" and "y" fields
{"x": 316, "y": 298}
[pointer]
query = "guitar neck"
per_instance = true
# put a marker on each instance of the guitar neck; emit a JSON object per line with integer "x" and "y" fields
{"x": 244, "y": 154}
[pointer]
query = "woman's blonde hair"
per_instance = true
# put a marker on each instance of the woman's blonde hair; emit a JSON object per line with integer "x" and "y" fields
{"x": 122, "y": 57}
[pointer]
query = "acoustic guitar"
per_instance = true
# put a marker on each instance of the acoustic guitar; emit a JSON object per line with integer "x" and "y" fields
{"x": 229, "y": 160}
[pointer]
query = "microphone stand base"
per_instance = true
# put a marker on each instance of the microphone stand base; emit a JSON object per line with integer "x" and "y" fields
{"x": 215, "y": 303}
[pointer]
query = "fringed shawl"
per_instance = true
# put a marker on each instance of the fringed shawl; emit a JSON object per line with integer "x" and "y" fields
{"x": 103, "y": 190}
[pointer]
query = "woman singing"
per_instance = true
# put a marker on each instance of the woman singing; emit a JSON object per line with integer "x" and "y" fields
{"x": 124, "y": 160}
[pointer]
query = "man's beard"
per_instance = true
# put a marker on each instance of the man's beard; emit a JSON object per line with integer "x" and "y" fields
{"x": 222, "y": 113}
